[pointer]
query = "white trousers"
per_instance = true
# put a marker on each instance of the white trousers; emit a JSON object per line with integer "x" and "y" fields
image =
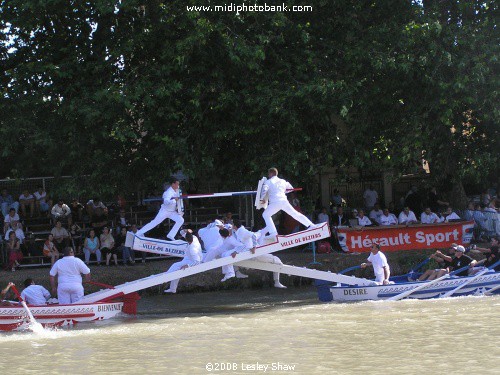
{"x": 160, "y": 217}
{"x": 269, "y": 258}
{"x": 69, "y": 293}
{"x": 176, "y": 267}
{"x": 277, "y": 206}
{"x": 230, "y": 269}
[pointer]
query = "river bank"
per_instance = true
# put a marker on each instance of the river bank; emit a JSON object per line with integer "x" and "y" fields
{"x": 400, "y": 262}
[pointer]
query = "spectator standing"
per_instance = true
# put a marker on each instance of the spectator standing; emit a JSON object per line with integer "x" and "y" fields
{"x": 336, "y": 198}
{"x": 27, "y": 200}
{"x": 370, "y": 197}
{"x": 77, "y": 209}
{"x": 434, "y": 201}
{"x": 413, "y": 200}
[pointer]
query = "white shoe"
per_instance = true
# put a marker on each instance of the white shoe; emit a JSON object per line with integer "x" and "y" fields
{"x": 170, "y": 291}
{"x": 241, "y": 275}
{"x": 277, "y": 284}
{"x": 227, "y": 277}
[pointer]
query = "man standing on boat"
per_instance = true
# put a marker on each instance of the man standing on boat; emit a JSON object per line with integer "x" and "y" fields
{"x": 69, "y": 272}
{"x": 192, "y": 258}
{"x": 275, "y": 190}
{"x": 167, "y": 210}
{"x": 380, "y": 265}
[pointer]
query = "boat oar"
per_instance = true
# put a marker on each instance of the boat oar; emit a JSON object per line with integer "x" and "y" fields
{"x": 420, "y": 265}
{"x": 406, "y": 293}
{"x": 35, "y": 325}
{"x": 470, "y": 280}
{"x": 349, "y": 269}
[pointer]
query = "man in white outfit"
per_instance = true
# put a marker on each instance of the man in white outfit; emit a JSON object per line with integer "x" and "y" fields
{"x": 69, "y": 272}
{"x": 249, "y": 239}
{"x": 229, "y": 245}
{"x": 167, "y": 210}
{"x": 275, "y": 189}
{"x": 191, "y": 258}
{"x": 210, "y": 235}
{"x": 380, "y": 265}
{"x": 34, "y": 294}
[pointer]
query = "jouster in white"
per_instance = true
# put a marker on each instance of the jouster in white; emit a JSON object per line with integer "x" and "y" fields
{"x": 274, "y": 189}
{"x": 380, "y": 265}
{"x": 210, "y": 235}
{"x": 69, "y": 272}
{"x": 167, "y": 210}
{"x": 192, "y": 257}
{"x": 34, "y": 294}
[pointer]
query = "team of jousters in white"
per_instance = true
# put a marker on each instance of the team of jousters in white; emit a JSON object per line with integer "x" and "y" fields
{"x": 229, "y": 248}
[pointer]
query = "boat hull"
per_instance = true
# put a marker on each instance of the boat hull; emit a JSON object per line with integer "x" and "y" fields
{"x": 16, "y": 318}
{"x": 479, "y": 286}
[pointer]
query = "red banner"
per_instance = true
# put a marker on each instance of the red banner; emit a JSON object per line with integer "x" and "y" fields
{"x": 392, "y": 238}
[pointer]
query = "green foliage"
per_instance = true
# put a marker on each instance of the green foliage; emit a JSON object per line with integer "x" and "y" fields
{"x": 125, "y": 93}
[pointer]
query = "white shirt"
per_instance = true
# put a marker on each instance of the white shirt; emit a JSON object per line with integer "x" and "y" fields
{"x": 193, "y": 253}
{"x": 230, "y": 243}
{"x": 19, "y": 234}
{"x": 452, "y": 216}
{"x": 387, "y": 220}
{"x": 375, "y": 215}
{"x": 210, "y": 237}
{"x": 404, "y": 218}
{"x": 69, "y": 270}
{"x": 246, "y": 237}
{"x": 35, "y": 295}
{"x": 40, "y": 197}
{"x": 23, "y": 197}
{"x": 370, "y": 197}
{"x": 323, "y": 218}
{"x": 9, "y": 219}
{"x": 364, "y": 221}
{"x": 63, "y": 210}
{"x": 379, "y": 261}
{"x": 429, "y": 219}
{"x": 276, "y": 188}
{"x": 170, "y": 204}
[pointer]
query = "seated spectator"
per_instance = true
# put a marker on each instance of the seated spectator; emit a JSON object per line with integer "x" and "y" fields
{"x": 108, "y": 246}
{"x": 450, "y": 216}
{"x": 75, "y": 233}
{"x": 77, "y": 209}
{"x": 91, "y": 246}
{"x": 407, "y": 217}
{"x": 444, "y": 261}
{"x": 18, "y": 231}
{"x": 50, "y": 249}
{"x": 228, "y": 218}
{"x": 60, "y": 212}
{"x": 376, "y": 213}
{"x": 387, "y": 218}
{"x": 98, "y": 213}
{"x": 340, "y": 219}
{"x": 8, "y": 203}
{"x": 14, "y": 253}
{"x": 323, "y": 216}
{"x": 121, "y": 221}
{"x": 364, "y": 221}
{"x": 34, "y": 294}
{"x": 127, "y": 253}
{"x": 354, "y": 213}
{"x": 428, "y": 217}
{"x": 11, "y": 217}
{"x": 61, "y": 236}
{"x": 42, "y": 201}
{"x": 27, "y": 200}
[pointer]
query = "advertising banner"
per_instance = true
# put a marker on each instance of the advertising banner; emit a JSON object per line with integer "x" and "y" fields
{"x": 392, "y": 238}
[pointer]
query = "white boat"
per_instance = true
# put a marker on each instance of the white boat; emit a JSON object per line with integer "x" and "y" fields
{"x": 15, "y": 317}
{"x": 454, "y": 286}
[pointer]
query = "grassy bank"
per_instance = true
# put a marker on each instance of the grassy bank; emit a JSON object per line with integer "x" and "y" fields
{"x": 400, "y": 262}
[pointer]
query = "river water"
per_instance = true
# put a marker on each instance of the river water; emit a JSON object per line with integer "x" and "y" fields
{"x": 289, "y": 331}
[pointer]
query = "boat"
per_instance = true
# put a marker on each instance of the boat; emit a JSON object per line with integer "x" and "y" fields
{"x": 486, "y": 282}
{"x": 15, "y": 317}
